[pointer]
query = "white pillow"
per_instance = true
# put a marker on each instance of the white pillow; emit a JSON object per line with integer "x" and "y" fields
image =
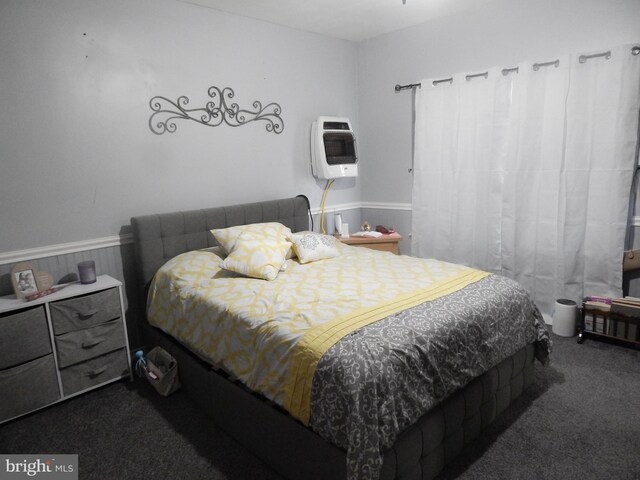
{"x": 226, "y": 237}
{"x": 257, "y": 256}
{"x": 310, "y": 247}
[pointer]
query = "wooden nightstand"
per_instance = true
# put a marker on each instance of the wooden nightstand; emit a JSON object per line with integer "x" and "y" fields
{"x": 385, "y": 243}
{"x": 61, "y": 345}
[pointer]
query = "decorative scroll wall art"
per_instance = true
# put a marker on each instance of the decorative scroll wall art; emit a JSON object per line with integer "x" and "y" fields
{"x": 214, "y": 113}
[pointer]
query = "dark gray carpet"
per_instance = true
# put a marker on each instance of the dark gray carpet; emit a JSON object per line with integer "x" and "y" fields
{"x": 580, "y": 420}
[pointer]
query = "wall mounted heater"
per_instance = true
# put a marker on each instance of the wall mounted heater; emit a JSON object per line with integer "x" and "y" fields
{"x": 333, "y": 148}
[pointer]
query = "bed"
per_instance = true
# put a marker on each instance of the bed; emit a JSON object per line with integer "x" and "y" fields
{"x": 416, "y": 432}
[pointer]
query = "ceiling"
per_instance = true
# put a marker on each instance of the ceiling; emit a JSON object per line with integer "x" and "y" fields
{"x": 354, "y": 20}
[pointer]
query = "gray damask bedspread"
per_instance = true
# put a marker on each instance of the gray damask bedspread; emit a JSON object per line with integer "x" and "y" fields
{"x": 398, "y": 368}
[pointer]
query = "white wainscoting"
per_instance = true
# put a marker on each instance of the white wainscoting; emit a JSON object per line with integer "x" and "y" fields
{"x": 118, "y": 240}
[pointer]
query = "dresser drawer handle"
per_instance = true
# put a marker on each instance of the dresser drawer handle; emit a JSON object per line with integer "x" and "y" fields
{"x": 92, "y": 343}
{"x": 87, "y": 314}
{"x": 98, "y": 371}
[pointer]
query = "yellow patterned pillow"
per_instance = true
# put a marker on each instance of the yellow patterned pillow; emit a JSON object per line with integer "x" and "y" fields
{"x": 227, "y": 237}
{"x": 309, "y": 246}
{"x": 256, "y": 255}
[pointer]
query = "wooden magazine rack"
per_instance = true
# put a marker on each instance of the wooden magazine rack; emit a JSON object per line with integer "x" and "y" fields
{"x": 616, "y": 325}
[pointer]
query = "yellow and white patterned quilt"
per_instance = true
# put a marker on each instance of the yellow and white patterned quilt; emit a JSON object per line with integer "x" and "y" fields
{"x": 270, "y": 334}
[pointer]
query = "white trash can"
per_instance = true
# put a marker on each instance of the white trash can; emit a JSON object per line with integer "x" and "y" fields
{"x": 565, "y": 317}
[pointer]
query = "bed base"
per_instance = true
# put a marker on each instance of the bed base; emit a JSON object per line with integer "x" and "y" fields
{"x": 296, "y": 453}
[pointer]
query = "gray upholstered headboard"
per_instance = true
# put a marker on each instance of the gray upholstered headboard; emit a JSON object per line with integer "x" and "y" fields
{"x": 158, "y": 238}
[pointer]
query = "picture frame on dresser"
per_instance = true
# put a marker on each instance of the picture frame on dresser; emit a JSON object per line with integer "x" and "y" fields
{"x": 29, "y": 283}
{"x": 23, "y": 279}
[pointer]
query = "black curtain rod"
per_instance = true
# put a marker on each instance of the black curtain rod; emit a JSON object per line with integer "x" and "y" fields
{"x": 407, "y": 87}
{"x": 635, "y": 50}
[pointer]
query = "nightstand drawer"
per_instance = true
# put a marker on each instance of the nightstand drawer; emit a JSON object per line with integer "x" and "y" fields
{"x": 384, "y": 243}
{"x": 81, "y": 345}
{"x": 94, "y": 372}
{"x": 83, "y": 312}
{"x": 382, "y": 247}
{"x": 28, "y": 386}
{"x": 23, "y": 337}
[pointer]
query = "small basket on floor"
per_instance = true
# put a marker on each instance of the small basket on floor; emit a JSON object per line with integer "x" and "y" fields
{"x": 162, "y": 371}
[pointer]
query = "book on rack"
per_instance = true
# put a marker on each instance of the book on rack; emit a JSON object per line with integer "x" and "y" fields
{"x": 627, "y": 300}
{"x": 632, "y": 299}
{"x": 632, "y": 332}
{"x": 588, "y": 321}
{"x": 599, "y": 299}
{"x": 621, "y": 328}
{"x": 610, "y": 327}
{"x": 626, "y": 306}
{"x": 597, "y": 305}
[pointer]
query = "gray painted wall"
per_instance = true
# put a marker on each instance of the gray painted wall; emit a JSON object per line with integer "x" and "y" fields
{"x": 77, "y": 156}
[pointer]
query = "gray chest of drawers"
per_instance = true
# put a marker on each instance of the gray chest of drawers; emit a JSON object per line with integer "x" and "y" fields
{"x": 61, "y": 345}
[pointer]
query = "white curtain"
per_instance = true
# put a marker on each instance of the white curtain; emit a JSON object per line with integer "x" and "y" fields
{"x": 527, "y": 173}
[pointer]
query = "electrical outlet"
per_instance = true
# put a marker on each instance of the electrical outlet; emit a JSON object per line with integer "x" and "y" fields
{"x": 631, "y": 260}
